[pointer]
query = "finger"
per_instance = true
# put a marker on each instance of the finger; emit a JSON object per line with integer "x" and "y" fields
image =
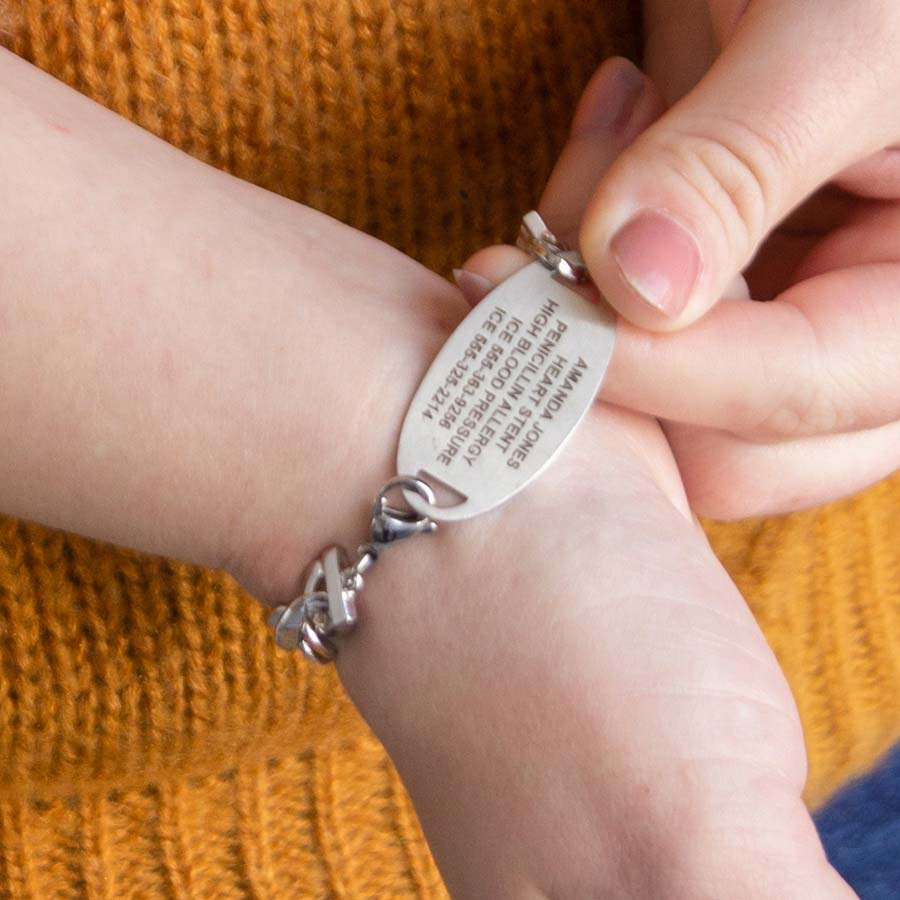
{"x": 870, "y": 236}
{"x": 679, "y": 45}
{"x": 877, "y": 177}
{"x": 484, "y": 270}
{"x": 618, "y": 104}
{"x": 688, "y": 204}
{"x": 824, "y": 357}
{"x": 727, "y": 477}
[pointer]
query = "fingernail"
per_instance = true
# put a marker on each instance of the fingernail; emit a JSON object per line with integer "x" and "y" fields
{"x": 659, "y": 260}
{"x": 612, "y": 102}
{"x": 473, "y": 285}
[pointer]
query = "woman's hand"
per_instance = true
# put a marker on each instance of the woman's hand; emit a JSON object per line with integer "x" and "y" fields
{"x": 776, "y": 159}
{"x": 578, "y": 699}
{"x": 573, "y": 691}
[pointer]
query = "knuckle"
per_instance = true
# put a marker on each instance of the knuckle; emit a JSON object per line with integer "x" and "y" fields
{"x": 822, "y": 388}
{"x": 802, "y": 398}
{"x": 736, "y": 169}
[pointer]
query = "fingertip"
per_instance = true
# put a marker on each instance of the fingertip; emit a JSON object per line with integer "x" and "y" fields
{"x": 658, "y": 259}
{"x": 626, "y": 293}
{"x": 485, "y": 269}
{"x": 613, "y": 111}
{"x": 609, "y": 98}
{"x": 474, "y": 287}
{"x": 645, "y": 261}
{"x": 737, "y": 290}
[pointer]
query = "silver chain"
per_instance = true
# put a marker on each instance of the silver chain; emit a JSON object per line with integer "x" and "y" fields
{"x": 327, "y": 606}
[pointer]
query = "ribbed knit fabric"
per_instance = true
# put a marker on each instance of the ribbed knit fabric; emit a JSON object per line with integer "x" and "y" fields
{"x": 154, "y": 743}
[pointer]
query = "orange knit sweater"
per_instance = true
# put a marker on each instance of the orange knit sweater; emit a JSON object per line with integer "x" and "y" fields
{"x": 145, "y": 756}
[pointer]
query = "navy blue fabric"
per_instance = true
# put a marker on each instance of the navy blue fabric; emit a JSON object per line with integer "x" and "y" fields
{"x": 860, "y": 829}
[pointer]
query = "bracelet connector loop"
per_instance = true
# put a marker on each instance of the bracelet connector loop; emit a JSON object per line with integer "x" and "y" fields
{"x": 390, "y": 524}
{"x": 327, "y": 605}
{"x": 536, "y": 239}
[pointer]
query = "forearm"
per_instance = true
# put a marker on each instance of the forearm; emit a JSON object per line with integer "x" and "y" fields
{"x": 190, "y": 364}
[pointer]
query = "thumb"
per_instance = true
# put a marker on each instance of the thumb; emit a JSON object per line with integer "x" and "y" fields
{"x": 685, "y": 208}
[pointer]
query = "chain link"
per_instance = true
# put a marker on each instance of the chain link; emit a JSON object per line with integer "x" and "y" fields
{"x": 327, "y": 605}
{"x": 536, "y": 239}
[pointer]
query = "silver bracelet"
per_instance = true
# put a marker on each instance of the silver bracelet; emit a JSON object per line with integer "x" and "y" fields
{"x": 499, "y": 401}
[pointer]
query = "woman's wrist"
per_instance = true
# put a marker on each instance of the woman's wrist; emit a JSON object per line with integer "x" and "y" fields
{"x": 350, "y": 357}
{"x": 192, "y": 366}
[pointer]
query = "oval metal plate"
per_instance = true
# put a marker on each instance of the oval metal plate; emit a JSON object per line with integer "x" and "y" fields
{"x": 504, "y": 393}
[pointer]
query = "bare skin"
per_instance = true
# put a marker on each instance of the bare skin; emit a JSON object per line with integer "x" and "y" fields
{"x": 191, "y": 362}
{"x": 777, "y": 151}
{"x": 573, "y": 690}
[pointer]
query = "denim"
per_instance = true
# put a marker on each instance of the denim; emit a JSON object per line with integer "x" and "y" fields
{"x": 860, "y": 828}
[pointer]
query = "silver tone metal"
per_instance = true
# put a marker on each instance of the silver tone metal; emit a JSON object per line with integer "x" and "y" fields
{"x": 538, "y": 240}
{"x": 505, "y": 392}
{"x": 366, "y": 558}
{"x": 310, "y": 607}
{"x": 315, "y": 647}
{"x": 389, "y": 523}
{"x": 287, "y": 621}
{"x": 327, "y": 606}
{"x": 499, "y": 401}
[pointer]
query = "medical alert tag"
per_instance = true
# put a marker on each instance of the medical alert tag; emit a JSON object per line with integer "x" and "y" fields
{"x": 504, "y": 393}
{"x": 497, "y": 404}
